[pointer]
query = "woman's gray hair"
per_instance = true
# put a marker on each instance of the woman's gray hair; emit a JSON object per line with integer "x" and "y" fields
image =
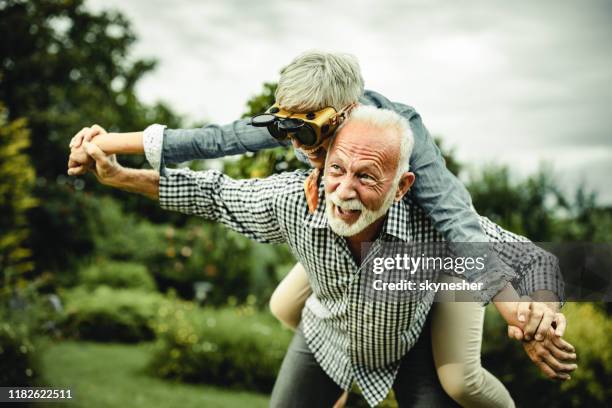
{"x": 385, "y": 119}
{"x": 316, "y": 79}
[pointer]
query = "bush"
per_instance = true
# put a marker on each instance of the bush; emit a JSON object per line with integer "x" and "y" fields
{"x": 18, "y": 362}
{"x": 122, "y": 275}
{"x": 589, "y": 330}
{"x": 199, "y": 251}
{"x": 106, "y": 314}
{"x": 232, "y": 346}
{"x": 123, "y": 236}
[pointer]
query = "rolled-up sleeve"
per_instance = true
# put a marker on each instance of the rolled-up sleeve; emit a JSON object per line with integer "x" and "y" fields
{"x": 535, "y": 268}
{"x": 152, "y": 140}
{"x": 213, "y": 141}
{"x": 246, "y": 206}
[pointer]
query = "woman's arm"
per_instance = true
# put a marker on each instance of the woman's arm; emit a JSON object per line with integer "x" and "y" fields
{"x": 539, "y": 281}
{"x": 163, "y": 145}
{"x": 120, "y": 143}
{"x": 109, "y": 143}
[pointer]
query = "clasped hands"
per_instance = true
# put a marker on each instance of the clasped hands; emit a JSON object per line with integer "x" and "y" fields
{"x": 86, "y": 156}
{"x": 541, "y": 334}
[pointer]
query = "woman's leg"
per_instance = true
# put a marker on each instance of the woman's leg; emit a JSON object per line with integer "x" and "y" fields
{"x": 456, "y": 342}
{"x": 289, "y": 297}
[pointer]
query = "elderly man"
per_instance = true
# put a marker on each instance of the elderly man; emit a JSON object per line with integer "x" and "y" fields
{"x": 343, "y": 336}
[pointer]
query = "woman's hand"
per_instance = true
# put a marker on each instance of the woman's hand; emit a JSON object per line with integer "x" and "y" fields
{"x": 86, "y": 135}
{"x": 80, "y": 162}
{"x": 107, "y": 169}
{"x": 534, "y": 319}
{"x": 538, "y": 318}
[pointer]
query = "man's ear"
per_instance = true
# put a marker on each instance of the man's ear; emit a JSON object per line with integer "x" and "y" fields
{"x": 406, "y": 181}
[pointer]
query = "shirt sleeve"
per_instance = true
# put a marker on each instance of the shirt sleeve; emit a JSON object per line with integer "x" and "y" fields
{"x": 448, "y": 204}
{"x": 152, "y": 141}
{"x": 245, "y": 206}
{"x": 213, "y": 141}
{"x": 536, "y": 269}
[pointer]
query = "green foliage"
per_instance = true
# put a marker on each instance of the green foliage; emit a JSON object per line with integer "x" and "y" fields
{"x": 589, "y": 330}
{"x": 261, "y": 102}
{"x": 200, "y": 251}
{"x": 522, "y": 206}
{"x": 536, "y": 206}
{"x": 18, "y": 355}
{"x": 63, "y": 67}
{"x": 265, "y": 162}
{"x": 122, "y": 275}
{"x": 106, "y": 314}
{"x": 123, "y": 236}
{"x": 16, "y": 183}
{"x": 113, "y": 375}
{"x": 233, "y": 264}
{"x": 236, "y": 346}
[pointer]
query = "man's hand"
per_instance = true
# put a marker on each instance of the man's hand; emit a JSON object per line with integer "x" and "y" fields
{"x": 106, "y": 169}
{"x": 554, "y": 356}
{"x": 80, "y": 162}
{"x": 109, "y": 172}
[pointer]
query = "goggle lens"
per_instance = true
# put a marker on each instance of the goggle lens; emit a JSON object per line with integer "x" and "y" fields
{"x": 281, "y": 128}
{"x": 263, "y": 120}
{"x": 306, "y": 135}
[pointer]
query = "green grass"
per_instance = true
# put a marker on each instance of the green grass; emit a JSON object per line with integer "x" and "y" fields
{"x": 112, "y": 375}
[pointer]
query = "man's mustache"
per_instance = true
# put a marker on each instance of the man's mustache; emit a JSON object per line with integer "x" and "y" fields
{"x": 352, "y": 204}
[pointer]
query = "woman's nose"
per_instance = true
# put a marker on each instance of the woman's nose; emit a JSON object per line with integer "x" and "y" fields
{"x": 296, "y": 143}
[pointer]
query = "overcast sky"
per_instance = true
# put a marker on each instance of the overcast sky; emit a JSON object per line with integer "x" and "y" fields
{"x": 521, "y": 84}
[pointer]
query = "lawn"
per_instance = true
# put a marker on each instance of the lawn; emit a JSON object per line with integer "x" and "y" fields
{"x": 113, "y": 375}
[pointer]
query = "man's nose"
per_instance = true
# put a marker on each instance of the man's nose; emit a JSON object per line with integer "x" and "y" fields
{"x": 345, "y": 190}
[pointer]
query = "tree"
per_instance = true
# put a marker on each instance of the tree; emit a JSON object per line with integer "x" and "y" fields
{"x": 537, "y": 207}
{"x": 16, "y": 182}
{"x": 61, "y": 68}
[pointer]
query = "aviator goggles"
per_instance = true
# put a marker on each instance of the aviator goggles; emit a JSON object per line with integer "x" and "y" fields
{"x": 310, "y": 128}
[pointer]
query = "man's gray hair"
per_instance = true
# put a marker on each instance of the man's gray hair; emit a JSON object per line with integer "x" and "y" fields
{"x": 386, "y": 119}
{"x": 316, "y": 79}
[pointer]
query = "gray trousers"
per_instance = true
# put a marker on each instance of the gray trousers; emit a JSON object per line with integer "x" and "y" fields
{"x": 301, "y": 382}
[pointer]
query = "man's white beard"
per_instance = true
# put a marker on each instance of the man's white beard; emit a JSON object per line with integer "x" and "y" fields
{"x": 366, "y": 217}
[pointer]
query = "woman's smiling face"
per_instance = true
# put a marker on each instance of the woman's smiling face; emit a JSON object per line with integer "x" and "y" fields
{"x": 316, "y": 156}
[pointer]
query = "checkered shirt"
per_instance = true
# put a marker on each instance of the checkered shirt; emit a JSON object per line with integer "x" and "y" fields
{"x": 351, "y": 337}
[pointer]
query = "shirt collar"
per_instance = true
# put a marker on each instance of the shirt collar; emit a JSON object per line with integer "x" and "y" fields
{"x": 395, "y": 225}
{"x": 317, "y": 219}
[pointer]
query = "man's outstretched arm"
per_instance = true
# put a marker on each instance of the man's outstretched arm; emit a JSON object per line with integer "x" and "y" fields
{"x": 246, "y": 206}
{"x": 109, "y": 172}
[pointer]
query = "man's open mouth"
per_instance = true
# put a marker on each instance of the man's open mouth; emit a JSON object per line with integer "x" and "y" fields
{"x": 346, "y": 214}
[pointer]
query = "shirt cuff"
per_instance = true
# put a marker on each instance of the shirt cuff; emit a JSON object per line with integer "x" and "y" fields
{"x": 153, "y": 139}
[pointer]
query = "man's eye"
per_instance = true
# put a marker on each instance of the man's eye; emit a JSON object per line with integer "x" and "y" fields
{"x": 365, "y": 177}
